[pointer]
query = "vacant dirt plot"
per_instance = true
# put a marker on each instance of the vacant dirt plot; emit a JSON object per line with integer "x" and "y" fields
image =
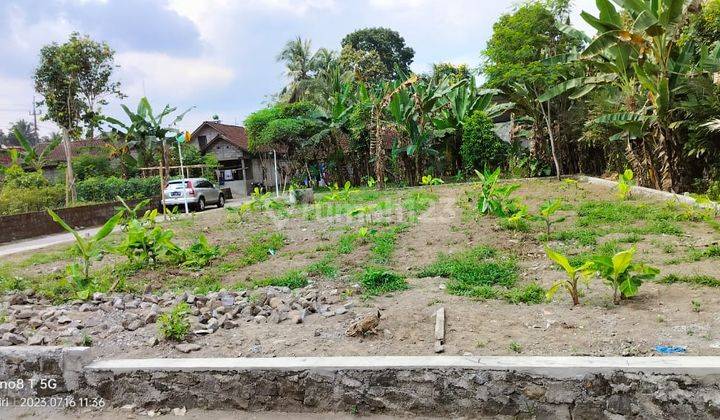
{"x": 290, "y": 281}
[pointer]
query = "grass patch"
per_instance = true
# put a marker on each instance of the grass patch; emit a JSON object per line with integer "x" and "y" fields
{"x": 378, "y": 281}
{"x": 694, "y": 279}
{"x": 260, "y": 248}
{"x": 200, "y": 285}
{"x": 474, "y": 272}
{"x": 326, "y": 267}
{"x": 712, "y": 251}
{"x": 607, "y": 249}
{"x": 419, "y": 201}
{"x": 582, "y": 236}
{"x": 294, "y": 279}
{"x": 347, "y": 243}
{"x": 530, "y": 293}
{"x": 46, "y": 258}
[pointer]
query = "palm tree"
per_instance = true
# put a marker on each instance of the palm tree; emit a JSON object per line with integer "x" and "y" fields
{"x": 298, "y": 58}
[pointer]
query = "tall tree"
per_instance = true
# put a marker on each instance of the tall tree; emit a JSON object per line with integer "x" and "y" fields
{"x": 74, "y": 80}
{"x": 515, "y": 62}
{"x": 387, "y": 44}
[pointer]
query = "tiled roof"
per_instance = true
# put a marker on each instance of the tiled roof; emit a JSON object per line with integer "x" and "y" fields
{"x": 232, "y": 133}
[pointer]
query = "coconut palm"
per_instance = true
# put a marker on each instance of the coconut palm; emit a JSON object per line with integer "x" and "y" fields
{"x": 299, "y": 64}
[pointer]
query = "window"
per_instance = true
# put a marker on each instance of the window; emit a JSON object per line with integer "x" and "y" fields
{"x": 202, "y": 141}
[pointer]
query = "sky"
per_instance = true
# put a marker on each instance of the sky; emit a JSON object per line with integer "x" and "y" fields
{"x": 219, "y": 56}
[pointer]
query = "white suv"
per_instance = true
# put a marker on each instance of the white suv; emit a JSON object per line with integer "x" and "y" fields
{"x": 199, "y": 192}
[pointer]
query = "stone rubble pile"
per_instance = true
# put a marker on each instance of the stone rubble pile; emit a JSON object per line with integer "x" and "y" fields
{"x": 28, "y": 319}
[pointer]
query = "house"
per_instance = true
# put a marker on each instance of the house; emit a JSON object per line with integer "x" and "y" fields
{"x": 238, "y": 167}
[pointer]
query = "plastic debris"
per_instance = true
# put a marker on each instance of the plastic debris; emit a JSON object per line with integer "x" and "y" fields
{"x": 670, "y": 349}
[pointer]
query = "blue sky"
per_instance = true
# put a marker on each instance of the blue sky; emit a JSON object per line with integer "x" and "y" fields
{"x": 219, "y": 55}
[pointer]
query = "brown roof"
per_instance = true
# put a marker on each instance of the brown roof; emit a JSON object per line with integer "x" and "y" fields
{"x": 232, "y": 133}
{"x": 77, "y": 147}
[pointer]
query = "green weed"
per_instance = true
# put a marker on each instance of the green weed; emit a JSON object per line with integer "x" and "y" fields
{"x": 174, "y": 325}
{"x": 692, "y": 279}
{"x": 294, "y": 279}
{"x": 378, "y": 281}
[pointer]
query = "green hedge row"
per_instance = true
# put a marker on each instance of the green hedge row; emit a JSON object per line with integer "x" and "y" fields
{"x": 98, "y": 189}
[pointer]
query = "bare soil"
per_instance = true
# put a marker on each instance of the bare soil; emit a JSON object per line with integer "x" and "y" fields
{"x": 659, "y": 315}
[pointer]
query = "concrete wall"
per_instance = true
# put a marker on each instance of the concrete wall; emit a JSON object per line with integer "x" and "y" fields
{"x": 39, "y": 223}
{"x": 525, "y": 387}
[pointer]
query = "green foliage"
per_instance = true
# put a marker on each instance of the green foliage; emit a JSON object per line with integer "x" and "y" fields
{"x": 88, "y": 165}
{"x": 548, "y": 210}
{"x": 147, "y": 243}
{"x": 693, "y": 279}
{"x": 326, "y": 267}
{"x": 102, "y": 189}
{"x": 378, "y": 281}
{"x": 383, "y": 245}
{"x": 481, "y": 147}
{"x": 23, "y": 200}
{"x": 260, "y": 248}
{"x": 624, "y": 276}
{"x": 293, "y": 279}
{"x": 581, "y": 272}
{"x": 429, "y": 180}
{"x": 494, "y": 197}
{"x": 89, "y": 249}
{"x": 418, "y": 201}
{"x": 339, "y": 195}
{"x": 472, "y": 269}
{"x": 200, "y": 253}
{"x": 74, "y": 78}
{"x": 288, "y": 124}
{"x": 625, "y": 184}
{"x": 259, "y": 202}
{"x": 530, "y": 293}
{"x": 175, "y": 325}
{"x": 387, "y": 44}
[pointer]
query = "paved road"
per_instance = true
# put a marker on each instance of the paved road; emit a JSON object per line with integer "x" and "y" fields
{"x": 61, "y": 238}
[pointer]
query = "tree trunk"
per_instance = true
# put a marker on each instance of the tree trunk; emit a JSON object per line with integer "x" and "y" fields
{"x": 552, "y": 139}
{"x": 379, "y": 158}
{"x": 70, "y": 192}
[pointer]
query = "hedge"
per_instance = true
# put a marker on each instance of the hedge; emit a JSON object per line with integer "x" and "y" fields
{"x": 22, "y": 200}
{"x": 98, "y": 189}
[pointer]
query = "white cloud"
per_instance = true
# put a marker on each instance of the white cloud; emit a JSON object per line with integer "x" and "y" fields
{"x": 174, "y": 78}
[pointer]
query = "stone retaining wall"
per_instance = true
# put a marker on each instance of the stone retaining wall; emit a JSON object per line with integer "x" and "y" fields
{"x": 539, "y": 387}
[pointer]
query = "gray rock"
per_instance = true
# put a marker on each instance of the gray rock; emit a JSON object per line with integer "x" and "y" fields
{"x": 213, "y": 324}
{"x": 7, "y": 327}
{"x": 18, "y": 299}
{"x": 187, "y": 347}
{"x": 25, "y": 314}
{"x": 133, "y": 324}
{"x": 341, "y": 310}
{"x": 98, "y": 297}
{"x": 259, "y": 319}
{"x": 276, "y": 302}
{"x": 88, "y": 307}
{"x": 14, "y": 339}
{"x": 150, "y": 318}
{"x": 36, "y": 340}
{"x": 64, "y": 320}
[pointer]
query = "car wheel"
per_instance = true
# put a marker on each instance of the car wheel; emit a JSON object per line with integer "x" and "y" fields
{"x": 201, "y": 204}
{"x": 221, "y": 201}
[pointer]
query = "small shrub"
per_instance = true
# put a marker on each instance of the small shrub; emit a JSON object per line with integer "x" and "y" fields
{"x": 326, "y": 267}
{"x": 200, "y": 253}
{"x": 378, "y": 281}
{"x": 101, "y": 189}
{"x": 547, "y": 211}
{"x": 174, "y": 325}
{"x": 480, "y": 145}
{"x": 624, "y": 276}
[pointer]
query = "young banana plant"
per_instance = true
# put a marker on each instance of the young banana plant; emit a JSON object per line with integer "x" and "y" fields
{"x": 574, "y": 276}
{"x": 624, "y": 276}
{"x": 88, "y": 248}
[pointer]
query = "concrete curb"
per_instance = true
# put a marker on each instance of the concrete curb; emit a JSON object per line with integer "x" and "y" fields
{"x": 555, "y": 367}
{"x": 647, "y": 192}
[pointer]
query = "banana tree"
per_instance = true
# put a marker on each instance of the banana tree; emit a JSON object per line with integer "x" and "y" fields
{"x": 637, "y": 47}
{"x": 149, "y": 131}
{"x": 455, "y": 107}
{"x": 412, "y": 110}
{"x": 31, "y": 157}
{"x": 332, "y": 121}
